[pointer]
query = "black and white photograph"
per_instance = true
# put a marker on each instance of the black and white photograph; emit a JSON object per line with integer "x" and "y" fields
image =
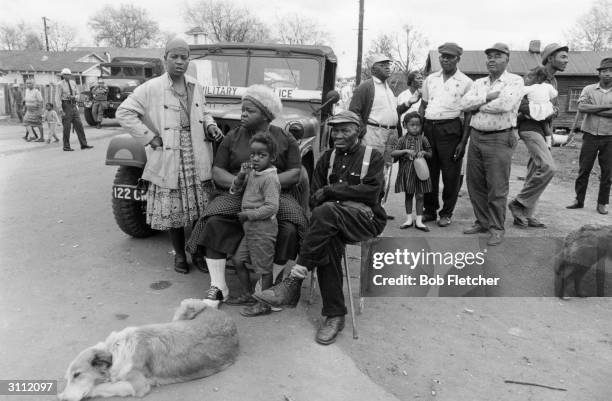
{"x": 259, "y": 200}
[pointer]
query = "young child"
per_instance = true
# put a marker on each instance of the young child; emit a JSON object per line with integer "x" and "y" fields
{"x": 52, "y": 120}
{"x": 540, "y": 95}
{"x": 258, "y": 181}
{"x": 409, "y": 147}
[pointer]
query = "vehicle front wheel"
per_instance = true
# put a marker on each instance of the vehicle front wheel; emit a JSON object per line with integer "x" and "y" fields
{"x": 130, "y": 215}
{"x": 88, "y": 113}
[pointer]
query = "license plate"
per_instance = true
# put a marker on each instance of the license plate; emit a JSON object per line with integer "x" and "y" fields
{"x": 128, "y": 192}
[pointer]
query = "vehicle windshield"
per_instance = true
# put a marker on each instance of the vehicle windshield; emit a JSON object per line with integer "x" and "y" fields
{"x": 276, "y": 72}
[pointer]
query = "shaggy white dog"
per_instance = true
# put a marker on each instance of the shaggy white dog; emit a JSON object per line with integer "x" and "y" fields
{"x": 199, "y": 342}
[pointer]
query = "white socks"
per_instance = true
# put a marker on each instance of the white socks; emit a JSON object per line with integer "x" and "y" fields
{"x": 299, "y": 271}
{"x": 408, "y": 221}
{"x": 216, "y": 268}
{"x": 419, "y": 221}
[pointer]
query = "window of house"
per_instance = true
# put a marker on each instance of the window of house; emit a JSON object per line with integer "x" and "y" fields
{"x": 27, "y": 76}
{"x": 574, "y": 94}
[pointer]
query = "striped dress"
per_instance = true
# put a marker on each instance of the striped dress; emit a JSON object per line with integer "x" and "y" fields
{"x": 407, "y": 180}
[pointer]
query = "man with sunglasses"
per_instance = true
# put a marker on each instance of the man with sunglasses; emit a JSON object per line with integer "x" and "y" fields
{"x": 440, "y": 105}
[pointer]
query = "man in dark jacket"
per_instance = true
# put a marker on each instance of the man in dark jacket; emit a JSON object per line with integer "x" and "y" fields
{"x": 345, "y": 208}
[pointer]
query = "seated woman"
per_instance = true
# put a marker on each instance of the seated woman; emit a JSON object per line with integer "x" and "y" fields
{"x": 219, "y": 231}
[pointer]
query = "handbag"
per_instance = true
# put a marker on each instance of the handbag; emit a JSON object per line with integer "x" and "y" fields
{"x": 420, "y": 165}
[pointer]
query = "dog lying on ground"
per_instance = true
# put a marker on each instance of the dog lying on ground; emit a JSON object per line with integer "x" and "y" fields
{"x": 582, "y": 249}
{"x": 199, "y": 342}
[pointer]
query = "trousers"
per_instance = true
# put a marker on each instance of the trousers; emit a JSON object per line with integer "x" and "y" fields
{"x": 69, "y": 119}
{"x": 595, "y": 146}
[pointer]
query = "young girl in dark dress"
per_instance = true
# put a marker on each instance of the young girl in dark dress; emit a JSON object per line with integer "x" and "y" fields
{"x": 409, "y": 147}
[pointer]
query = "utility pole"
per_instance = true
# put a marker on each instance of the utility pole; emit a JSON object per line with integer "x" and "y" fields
{"x": 359, "y": 44}
{"x": 46, "y": 37}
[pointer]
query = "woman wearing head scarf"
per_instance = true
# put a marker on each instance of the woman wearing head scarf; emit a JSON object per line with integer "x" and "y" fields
{"x": 219, "y": 232}
{"x": 167, "y": 115}
{"x": 34, "y": 110}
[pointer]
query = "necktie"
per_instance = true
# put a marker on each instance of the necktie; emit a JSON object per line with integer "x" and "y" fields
{"x": 69, "y": 87}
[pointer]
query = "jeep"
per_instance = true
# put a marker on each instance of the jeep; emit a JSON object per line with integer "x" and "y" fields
{"x": 303, "y": 76}
{"x": 124, "y": 75}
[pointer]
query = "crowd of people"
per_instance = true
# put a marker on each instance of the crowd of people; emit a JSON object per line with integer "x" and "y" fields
{"x": 247, "y": 202}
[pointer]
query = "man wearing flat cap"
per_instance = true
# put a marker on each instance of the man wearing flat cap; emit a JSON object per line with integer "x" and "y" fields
{"x": 493, "y": 101}
{"x": 442, "y": 93}
{"x": 541, "y": 166}
{"x": 347, "y": 185}
{"x": 66, "y": 95}
{"x": 595, "y": 102}
{"x": 167, "y": 115}
{"x": 376, "y": 105}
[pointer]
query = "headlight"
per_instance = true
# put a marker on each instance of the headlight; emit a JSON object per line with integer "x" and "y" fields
{"x": 296, "y": 129}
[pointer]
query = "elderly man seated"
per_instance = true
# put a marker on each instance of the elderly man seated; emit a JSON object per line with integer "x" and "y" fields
{"x": 346, "y": 188}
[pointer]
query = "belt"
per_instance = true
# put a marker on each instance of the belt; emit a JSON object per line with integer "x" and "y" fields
{"x": 440, "y": 122}
{"x": 499, "y": 131}
{"x": 382, "y": 126}
{"x": 68, "y": 100}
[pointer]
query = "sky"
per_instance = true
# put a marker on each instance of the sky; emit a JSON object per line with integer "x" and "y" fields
{"x": 473, "y": 24}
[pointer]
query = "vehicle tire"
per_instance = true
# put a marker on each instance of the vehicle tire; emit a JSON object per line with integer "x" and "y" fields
{"x": 130, "y": 215}
{"x": 87, "y": 112}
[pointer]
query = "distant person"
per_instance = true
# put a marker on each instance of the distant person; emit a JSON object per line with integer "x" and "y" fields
{"x": 595, "y": 102}
{"x": 535, "y": 129}
{"x": 493, "y": 101}
{"x": 412, "y": 95}
{"x": 66, "y": 96}
{"x": 17, "y": 102}
{"x": 446, "y": 133}
{"x": 51, "y": 118}
{"x": 100, "y": 95}
{"x": 34, "y": 110}
{"x": 412, "y": 146}
{"x": 260, "y": 187}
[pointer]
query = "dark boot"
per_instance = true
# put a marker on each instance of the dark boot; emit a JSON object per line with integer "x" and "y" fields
{"x": 329, "y": 330}
{"x": 287, "y": 293}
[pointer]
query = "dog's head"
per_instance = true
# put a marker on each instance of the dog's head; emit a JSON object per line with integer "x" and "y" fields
{"x": 89, "y": 368}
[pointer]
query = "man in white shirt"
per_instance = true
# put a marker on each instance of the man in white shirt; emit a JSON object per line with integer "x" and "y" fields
{"x": 440, "y": 105}
{"x": 494, "y": 101}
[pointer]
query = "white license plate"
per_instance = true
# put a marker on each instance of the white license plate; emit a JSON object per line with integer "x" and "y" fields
{"x": 128, "y": 192}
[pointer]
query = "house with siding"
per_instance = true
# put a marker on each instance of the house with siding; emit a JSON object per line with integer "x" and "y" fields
{"x": 580, "y": 71}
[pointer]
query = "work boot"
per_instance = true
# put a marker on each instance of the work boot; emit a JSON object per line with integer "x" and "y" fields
{"x": 286, "y": 293}
{"x": 329, "y": 330}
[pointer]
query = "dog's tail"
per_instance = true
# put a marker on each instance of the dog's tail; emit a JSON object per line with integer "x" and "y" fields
{"x": 190, "y": 308}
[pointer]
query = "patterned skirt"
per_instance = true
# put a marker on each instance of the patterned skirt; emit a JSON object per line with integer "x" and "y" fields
{"x": 33, "y": 116}
{"x": 176, "y": 208}
{"x": 407, "y": 180}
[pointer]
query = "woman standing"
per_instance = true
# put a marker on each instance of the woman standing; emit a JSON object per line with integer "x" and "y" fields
{"x": 167, "y": 113}
{"x": 34, "y": 110}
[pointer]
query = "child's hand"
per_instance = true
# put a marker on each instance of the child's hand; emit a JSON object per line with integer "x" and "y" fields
{"x": 242, "y": 216}
{"x": 420, "y": 154}
{"x": 244, "y": 170}
{"x": 411, "y": 153}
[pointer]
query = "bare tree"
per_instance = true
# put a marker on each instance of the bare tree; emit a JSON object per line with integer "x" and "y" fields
{"x": 406, "y": 49}
{"x": 226, "y": 22}
{"x": 593, "y": 30}
{"x": 33, "y": 41}
{"x": 19, "y": 36}
{"x": 126, "y": 26}
{"x": 296, "y": 30}
{"x": 61, "y": 36}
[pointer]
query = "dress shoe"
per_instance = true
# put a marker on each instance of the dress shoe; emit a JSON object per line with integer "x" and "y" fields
{"x": 429, "y": 217}
{"x": 518, "y": 212}
{"x": 496, "y": 238}
{"x": 258, "y": 309}
{"x": 535, "y": 223}
{"x": 406, "y": 225}
{"x": 180, "y": 264}
{"x": 575, "y": 205}
{"x": 422, "y": 228}
{"x": 215, "y": 294}
{"x": 602, "y": 209}
{"x": 444, "y": 221}
{"x": 86, "y": 147}
{"x": 68, "y": 150}
{"x": 199, "y": 262}
{"x": 475, "y": 229}
{"x": 286, "y": 293}
{"x": 244, "y": 299}
{"x": 520, "y": 223}
{"x": 329, "y": 330}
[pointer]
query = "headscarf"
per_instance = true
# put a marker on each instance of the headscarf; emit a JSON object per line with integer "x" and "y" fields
{"x": 176, "y": 43}
{"x": 264, "y": 98}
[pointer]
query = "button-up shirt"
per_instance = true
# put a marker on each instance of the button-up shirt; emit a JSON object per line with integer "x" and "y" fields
{"x": 444, "y": 98}
{"x": 500, "y": 113}
{"x": 592, "y": 123}
{"x": 384, "y": 107}
{"x": 63, "y": 92}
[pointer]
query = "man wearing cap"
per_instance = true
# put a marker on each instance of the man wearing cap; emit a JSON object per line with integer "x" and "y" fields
{"x": 345, "y": 208}
{"x": 541, "y": 166}
{"x": 442, "y": 93}
{"x": 66, "y": 95}
{"x": 493, "y": 101}
{"x": 595, "y": 102}
{"x": 99, "y": 93}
